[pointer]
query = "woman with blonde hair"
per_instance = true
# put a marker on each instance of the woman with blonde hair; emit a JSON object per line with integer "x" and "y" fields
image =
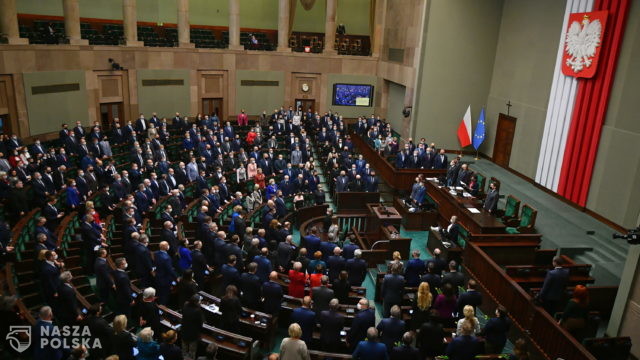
{"x": 397, "y": 259}
{"x": 90, "y": 209}
{"x": 122, "y": 341}
{"x": 148, "y": 349}
{"x": 422, "y": 306}
{"x": 470, "y": 317}
{"x": 292, "y": 348}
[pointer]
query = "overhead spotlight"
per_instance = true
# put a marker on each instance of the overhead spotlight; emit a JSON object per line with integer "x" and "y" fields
{"x": 115, "y": 65}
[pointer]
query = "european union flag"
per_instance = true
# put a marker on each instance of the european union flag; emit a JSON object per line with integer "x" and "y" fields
{"x": 478, "y": 135}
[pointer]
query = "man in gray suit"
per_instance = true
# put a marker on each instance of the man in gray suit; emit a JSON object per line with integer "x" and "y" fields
{"x": 192, "y": 169}
{"x": 491, "y": 201}
{"x": 342, "y": 182}
{"x": 322, "y": 295}
{"x": 296, "y": 156}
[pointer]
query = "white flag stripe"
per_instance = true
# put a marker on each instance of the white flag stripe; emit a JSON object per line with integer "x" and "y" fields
{"x": 559, "y": 110}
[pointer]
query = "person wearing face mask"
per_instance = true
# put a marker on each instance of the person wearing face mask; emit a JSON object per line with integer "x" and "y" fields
{"x": 124, "y": 294}
{"x": 364, "y": 319}
{"x": 72, "y": 195}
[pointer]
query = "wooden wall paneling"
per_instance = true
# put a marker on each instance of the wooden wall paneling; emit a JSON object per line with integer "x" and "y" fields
{"x": 8, "y": 103}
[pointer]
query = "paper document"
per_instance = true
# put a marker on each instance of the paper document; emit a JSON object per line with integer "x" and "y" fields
{"x": 474, "y": 210}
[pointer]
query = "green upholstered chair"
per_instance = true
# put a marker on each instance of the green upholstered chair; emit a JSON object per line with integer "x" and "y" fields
{"x": 463, "y": 235}
{"x": 511, "y": 209}
{"x": 527, "y": 221}
{"x": 481, "y": 184}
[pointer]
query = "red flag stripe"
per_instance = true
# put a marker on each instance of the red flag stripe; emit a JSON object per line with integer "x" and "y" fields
{"x": 590, "y": 109}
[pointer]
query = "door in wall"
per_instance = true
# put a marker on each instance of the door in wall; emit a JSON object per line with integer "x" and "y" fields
{"x": 213, "y": 106}
{"x": 504, "y": 139}
{"x": 109, "y": 112}
{"x": 306, "y": 104}
{"x": 5, "y": 127}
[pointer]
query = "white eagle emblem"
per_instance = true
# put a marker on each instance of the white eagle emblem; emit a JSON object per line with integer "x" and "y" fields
{"x": 582, "y": 42}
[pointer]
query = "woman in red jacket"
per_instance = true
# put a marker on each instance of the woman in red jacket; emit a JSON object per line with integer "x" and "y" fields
{"x": 297, "y": 281}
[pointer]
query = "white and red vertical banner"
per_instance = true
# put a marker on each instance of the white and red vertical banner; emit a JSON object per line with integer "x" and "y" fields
{"x": 585, "y": 68}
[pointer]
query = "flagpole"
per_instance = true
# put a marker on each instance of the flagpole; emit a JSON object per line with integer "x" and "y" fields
{"x": 477, "y": 158}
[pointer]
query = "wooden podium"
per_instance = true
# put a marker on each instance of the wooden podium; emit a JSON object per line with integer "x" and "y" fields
{"x": 380, "y": 215}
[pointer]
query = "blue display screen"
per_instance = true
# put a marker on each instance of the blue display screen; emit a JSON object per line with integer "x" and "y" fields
{"x": 352, "y": 95}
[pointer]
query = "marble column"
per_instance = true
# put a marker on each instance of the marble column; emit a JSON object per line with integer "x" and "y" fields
{"x": 378, "y": 29}
{"x": 330, "y": 27}
{"x": 283, "y": 25}
{"x": 184, "y": 35}
{"x": 234, "y": 25}
{"x": 72, "y": 22}
{"x": 9, "y": 23}
{"x": 130, "y": 20}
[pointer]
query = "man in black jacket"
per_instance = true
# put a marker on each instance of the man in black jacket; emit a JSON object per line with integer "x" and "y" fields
{"x": 357, "y": 268}
{"x": 124, "y": 294}
{"x": 144, "y": 265}
{"x": 250, "y": 287}
{"x": 104, "y": 283}
{"x": 170, "y": 237}
{"x": 50, "y": 278}
{"x": 491, "y": 201}
{"x": 331, "y": 324}
{"x": 192, "y": 320}
{"x": 322, "y": 295}
{"x": 199, "y": 264}
{"x": 67, "y": 309}
{"x": 470, "y": 297}
{"x": 363, "y": 320}
{"x": 100, "y": 329}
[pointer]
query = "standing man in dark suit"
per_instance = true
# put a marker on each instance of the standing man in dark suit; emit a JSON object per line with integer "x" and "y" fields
{"x": 392, "y": 289}
{"x": 491, "y": 201}
{"x": 144, "y": 265}
{"x": 165, "y": 274}
{"x": 391, "y": 328}
{"x": 92, "y": 240}
{"x": 124, "y": 297}
{"x": 441, "y": 161}
{"x": 363, "y": 320}
{"x": 48, "y": 352}
{"x": 322, "y": 295}
{"x": 453, "y": 276}
{"x": 331, "y": 324}
{"x": 306, "y": 318}
{"x": 192, "y": 321}
{"x": 357, "y": 268}
{"x": 249, "y": 284}
{"x": 405, "y": 351}
{"x": 67, "y": 308}
{"x": 167, "y": 235}
{"x": 272, "y": 294}
{"x": 554, "y": 286}
{"x": 50, "y": 277}
{"x": 465, "y": 346}
{"x": 104, "y": 283}
{"x": 470, "y": 297}
{"x": 414, "y": 269}
{"x": 199, "y": 264}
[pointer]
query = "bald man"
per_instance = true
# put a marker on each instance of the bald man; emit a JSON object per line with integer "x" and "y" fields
{"x": 165, "y": 274}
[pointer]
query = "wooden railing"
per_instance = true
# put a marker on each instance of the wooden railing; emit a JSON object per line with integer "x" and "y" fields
{"x": 541, "y": 329}
{"x": 399, "y": 179}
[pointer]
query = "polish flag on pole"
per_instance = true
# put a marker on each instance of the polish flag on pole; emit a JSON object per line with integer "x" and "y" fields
{"x": 464, "y": 129}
